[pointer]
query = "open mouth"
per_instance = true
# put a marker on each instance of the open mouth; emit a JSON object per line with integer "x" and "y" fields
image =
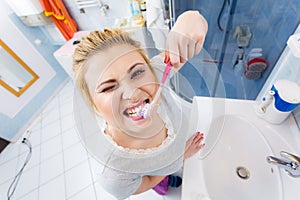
{"x": 134, "y": 111}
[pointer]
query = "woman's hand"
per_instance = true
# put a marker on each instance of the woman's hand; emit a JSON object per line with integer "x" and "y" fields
{"x": 193, "y": 145}
{"x": 186, "y": 38}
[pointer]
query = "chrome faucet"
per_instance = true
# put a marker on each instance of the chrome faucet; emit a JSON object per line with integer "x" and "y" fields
{"x": 290, "y": 163}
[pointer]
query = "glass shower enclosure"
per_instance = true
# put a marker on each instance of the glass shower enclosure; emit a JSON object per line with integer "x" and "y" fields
{"x": 243, "y": 43}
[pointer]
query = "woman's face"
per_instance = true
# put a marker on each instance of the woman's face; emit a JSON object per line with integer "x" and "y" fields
{"x": 120, "y": 83}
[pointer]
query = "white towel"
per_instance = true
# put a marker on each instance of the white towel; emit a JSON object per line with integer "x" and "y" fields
{"x": 156, "y": 22}
{"x": 155, "y": 14}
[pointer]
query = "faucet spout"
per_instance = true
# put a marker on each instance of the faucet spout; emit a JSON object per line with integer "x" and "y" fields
{"x": 290, "y": 163}
{"x": 277, "y": 161}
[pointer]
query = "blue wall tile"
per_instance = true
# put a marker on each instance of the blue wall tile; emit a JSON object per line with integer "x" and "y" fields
{"x": 271, "y": 22}
{"x": 295, "y": 4}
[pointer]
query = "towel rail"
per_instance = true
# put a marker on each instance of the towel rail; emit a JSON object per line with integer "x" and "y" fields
{"x": 81, "y": 4}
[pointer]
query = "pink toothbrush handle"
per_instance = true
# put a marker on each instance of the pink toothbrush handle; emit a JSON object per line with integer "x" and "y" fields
{"x": 146, "y": 110}
{"x": 166, "y": 72}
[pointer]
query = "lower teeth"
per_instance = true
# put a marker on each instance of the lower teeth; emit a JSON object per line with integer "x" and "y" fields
{"x": 133, "y": 115}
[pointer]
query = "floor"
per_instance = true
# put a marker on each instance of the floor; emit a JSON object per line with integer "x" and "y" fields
{"x": 60, "y": 167}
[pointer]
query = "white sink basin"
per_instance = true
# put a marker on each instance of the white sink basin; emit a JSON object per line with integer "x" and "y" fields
{"x": 233, "y": 165}
{"x": 237, "y": 166}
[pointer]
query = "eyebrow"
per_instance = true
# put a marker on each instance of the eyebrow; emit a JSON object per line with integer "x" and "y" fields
{"x": 133, "y": 66}
{"x": 107, "y": 81}
{"x": 114, "y": 80}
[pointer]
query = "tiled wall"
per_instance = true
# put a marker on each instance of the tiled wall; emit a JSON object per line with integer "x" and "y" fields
{"x": 271, "y": 23}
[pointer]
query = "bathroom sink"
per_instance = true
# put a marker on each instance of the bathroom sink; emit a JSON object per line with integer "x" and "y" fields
{"x": 233, "y": 165}
{"x": 237, "y": 167}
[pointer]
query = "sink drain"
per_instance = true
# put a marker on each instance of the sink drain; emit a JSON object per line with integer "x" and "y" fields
{"x": 243, "y": 172}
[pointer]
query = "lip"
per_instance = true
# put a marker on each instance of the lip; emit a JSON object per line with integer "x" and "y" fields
{"x": 137, "y": 118}
{"x": 140, "y": 102}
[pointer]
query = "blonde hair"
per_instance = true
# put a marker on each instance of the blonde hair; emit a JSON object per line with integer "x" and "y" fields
{"x": 93, "y": 43}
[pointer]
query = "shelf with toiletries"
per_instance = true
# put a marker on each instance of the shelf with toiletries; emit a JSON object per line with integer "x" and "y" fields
{"x": 130, "y": 22}
{"x": 137, "y": 17}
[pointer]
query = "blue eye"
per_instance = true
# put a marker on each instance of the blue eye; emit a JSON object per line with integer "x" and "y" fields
{"x": 137, "y": 73}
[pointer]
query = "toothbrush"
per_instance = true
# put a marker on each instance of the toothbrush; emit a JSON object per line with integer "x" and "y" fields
{"x": 146, "y": 110}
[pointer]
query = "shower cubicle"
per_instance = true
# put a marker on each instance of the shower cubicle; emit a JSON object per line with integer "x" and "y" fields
{"x": 244, "y": 40}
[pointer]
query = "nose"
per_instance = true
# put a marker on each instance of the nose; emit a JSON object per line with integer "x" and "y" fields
{"x": 127, "y": 94}
{"x": 130, "y": 93}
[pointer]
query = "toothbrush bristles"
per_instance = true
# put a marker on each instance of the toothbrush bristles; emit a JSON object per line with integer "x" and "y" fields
{"x": 145, "y": 111}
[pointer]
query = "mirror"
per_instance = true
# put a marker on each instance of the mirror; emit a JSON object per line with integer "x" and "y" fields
{"x": 15, "y": 75}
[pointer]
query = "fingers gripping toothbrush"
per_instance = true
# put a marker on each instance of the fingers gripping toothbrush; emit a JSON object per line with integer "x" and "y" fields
{"x": 146, "y": 110}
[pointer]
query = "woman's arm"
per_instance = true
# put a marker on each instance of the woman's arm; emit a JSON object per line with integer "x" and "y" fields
{"x": 148, "y": 182}
{"x": 186, "y": 38}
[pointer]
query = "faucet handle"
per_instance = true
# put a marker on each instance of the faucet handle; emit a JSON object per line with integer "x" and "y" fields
{"x": 290, "y": 163}
{"x": 290, "y": 156}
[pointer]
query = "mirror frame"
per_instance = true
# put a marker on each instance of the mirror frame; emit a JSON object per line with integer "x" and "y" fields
{"x": 23, "y": 64}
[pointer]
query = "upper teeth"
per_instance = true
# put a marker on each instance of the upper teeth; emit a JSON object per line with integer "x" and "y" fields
{"x": 134, "y": 111}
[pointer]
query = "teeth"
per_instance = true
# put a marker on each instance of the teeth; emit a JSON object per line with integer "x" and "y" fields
{"x": 135, "y": 111}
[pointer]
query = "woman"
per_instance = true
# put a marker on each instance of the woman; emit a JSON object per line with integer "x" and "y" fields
{"x": 118, "y": 80}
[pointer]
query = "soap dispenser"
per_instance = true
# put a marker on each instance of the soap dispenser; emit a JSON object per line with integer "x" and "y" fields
{"x": 279, "y": 102}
